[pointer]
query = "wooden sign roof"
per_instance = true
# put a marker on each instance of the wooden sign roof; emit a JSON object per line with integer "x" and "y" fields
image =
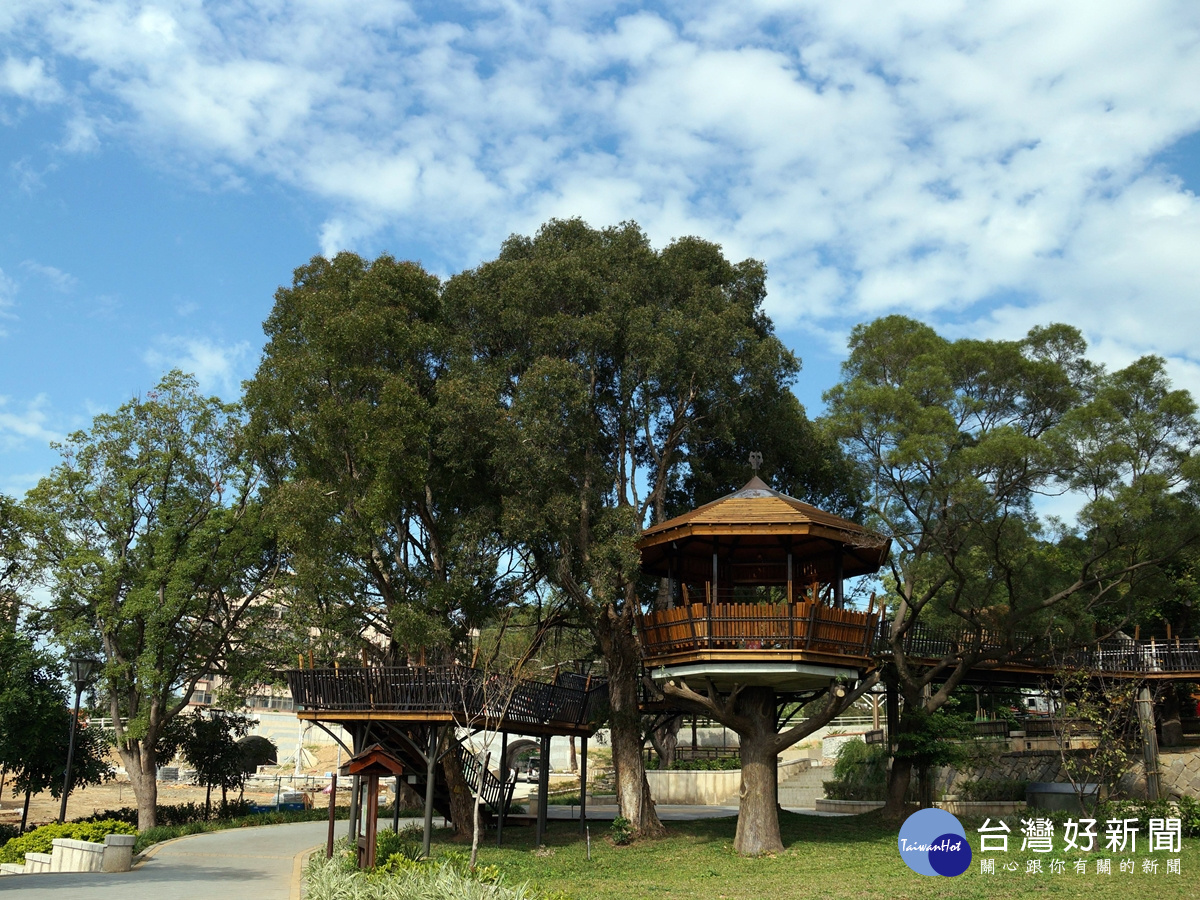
{"x": 373, "y": 761}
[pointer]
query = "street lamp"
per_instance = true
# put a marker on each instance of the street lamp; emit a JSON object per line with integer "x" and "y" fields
{"x": 82, "y": 668}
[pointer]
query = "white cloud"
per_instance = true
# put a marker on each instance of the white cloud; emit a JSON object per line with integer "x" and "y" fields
{"x": 880, "y": 156}
{"x": 218, "y": 368}
{"x": 63, "y": 282}
{"x": 8, "y": 289}
{"x": 28, "y": 80}
{"x": 20, "y": 426}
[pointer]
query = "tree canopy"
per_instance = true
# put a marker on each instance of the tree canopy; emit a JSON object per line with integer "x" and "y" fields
{"x": 961, "y": 444}
{"x": 150, "y": 538}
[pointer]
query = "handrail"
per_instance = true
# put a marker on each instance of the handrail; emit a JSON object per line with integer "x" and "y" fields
{"x": 814, "y": 627}
{"x": 463, "y": 692}
{"x": 1117, "y": 655}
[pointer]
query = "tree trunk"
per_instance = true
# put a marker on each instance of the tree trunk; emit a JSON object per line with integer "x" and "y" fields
{"x": 460, "y": 794}
{"x": 665, "y": 739}
{"x": 899, "y": 778}
{"x": 142, "y": 765}
{"x": 758, "y": 812}
{"x": 621, "y": 654}
{"x": 207, "y": 802}
{"x": 574, "y": 761}
{"x": 1170, "y": 717}
{"x": 25, "y": 811}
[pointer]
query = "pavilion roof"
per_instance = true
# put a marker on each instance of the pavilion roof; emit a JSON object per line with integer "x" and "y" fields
{"x": 757, "y": 513}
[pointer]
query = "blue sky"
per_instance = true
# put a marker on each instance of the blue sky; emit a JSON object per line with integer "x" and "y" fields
{"x": 985, "y": 167}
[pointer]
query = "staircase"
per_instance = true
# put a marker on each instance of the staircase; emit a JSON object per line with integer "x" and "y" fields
{"x": 493, "y": 800}
{"x": 805, "y": 787}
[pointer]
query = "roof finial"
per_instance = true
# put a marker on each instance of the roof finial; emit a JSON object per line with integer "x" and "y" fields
{"x": 755, "y": 461}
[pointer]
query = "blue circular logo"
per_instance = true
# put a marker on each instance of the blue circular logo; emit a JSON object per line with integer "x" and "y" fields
{"x": 933, "y": 842}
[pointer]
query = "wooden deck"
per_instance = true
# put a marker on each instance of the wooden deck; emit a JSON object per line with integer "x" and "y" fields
{"x": 572, "y": 705}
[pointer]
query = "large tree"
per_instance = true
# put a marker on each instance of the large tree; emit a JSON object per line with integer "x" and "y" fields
{"x": 960, "y": 442}
{"x": 377, "y": 436}
{"x": 14, "y": 561}
{"x": 377, "y": 460}
{"x": 150, "y": 537}
{"x": 615, "y": 363}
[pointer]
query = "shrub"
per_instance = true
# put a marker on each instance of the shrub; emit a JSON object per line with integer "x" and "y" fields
{"x": 621, "y": 831}
{"x": 860, "y": 772}
{"x": 719, "y": 764}
{"x": 40, "y": 839}
{"x": 994, "y": 789}
{"x": 8, "y": 832}
{"x": 444, "y": 879}
{"x": 404, "y": 844}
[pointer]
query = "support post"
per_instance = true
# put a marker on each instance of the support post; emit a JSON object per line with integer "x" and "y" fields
{"x": 503, "y": 788}
{"x": 430, "y": 777}
{"x": 1145, "y": 709}
{"x": 839, "y": 598}
{"x": 893, "y": 714}
{"x": 583, "y": 742}
{"x": 543, "y": 790}
{"x": 332, "y": 816}
{"x": 396, "y": 807}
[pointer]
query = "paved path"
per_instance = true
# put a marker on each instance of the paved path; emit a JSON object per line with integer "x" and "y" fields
{"x": 246, "y": 863}
{"x": 239, "y": 864}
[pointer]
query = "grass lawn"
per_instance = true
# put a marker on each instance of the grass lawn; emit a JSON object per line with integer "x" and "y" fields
{"x": 826, "y": 857}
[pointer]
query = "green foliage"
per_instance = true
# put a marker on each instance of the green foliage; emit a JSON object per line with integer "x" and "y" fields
{"x": 379, "y": 473}
{"x": 621, "y": 831}
{"x": 40, "y": 839}
{"x": 996, "y": 789}
{"x": 448, "y": 878}
{"x": 404, "y": 844}
{"x": 35, "y": 723}
{"x": 209, "y": 743}
{"x": 1189, "y": 815}
{"x": 1185, "y": 808}
{"x": 198, "y": 825}
{"x": 8, "y": 832}
{"x": 716, "y": 764}
{"x": 860, "y": 772}
{"x": 151, "y": 540}
{"x": 174, "y": 814}
{"x": 958, "y": 439}
{"x": 15, "y": 555}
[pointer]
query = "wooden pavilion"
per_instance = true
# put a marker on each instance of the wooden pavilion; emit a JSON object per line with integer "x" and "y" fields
{"x": 752, "y": 593}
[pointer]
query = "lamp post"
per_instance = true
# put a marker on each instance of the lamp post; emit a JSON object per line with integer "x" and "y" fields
{"x": 81, "y": 671}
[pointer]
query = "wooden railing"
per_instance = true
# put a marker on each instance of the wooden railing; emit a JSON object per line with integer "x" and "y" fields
{"x": 463, "y": 692}
{"x": 1115, "y": 655}
{"x": 807, "y": 626}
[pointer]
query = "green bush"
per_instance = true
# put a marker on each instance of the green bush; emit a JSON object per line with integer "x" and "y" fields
{"x": 176, "y": 813}
{"x": 1189, "y": 814}
{"x": 719, "y": 764}
{"x": 994, "y": 789}
{"x": 447, "y": 878}
{"x": 7, "y": 833}
{"x": 405, "y": 844}
{"x": 621, "y": 831}
{"x": 40, "y": 839}
{"x": 860, "y": 772}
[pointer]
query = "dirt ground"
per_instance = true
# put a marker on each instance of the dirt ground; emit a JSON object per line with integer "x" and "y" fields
{"x": 114, "y": 794}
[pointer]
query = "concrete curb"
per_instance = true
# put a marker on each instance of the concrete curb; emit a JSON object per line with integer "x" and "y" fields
{"x": 299, "y": 861}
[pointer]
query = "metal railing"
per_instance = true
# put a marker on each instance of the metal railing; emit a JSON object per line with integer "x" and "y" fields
{"x": 807, "y": 626}
{"x": 462, "y": 692}
{"x": 1115, "y": 655}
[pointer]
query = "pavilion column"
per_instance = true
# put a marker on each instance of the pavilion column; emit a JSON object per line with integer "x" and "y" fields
{"x": 713, "y": 593}
{"x": 503, "y": 787}
{"x": 790, "y": 594}
{"x": 839, "y": 598}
